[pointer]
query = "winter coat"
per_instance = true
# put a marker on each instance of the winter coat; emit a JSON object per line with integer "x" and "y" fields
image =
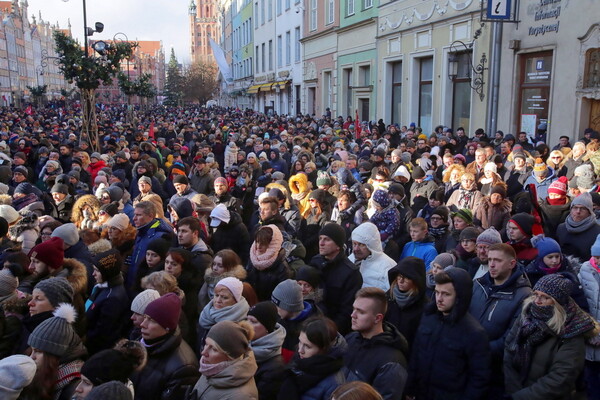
{"x": 75, "y": 272}
{"x": 171, "y": 370}
{"x": 271, "y": 368}
{"x": 94, "y": 168}
{"x": 568, "y": 168}
{"x": 235, "y": 382}
{"x": 78, "y": 217}
{"x": 300, "y": 190}
{"x": 543, "y": 186}
{"x": 230, "y": 158}
{"x": 374, "y": 269}
{"x": 232, "y": 235}
{"x": 553, "y": 216}
{"x": 202, "y": 258}
{"x": 515, "y": 181}
{"x": 450, "y": 355}
{"x": 379, "y": 361}
{"x": 487, "y": 214}
{"x": 202, "y": 181}
{"x": 422, "y": 189}
{"x": 25, "y": 231}
{"x": 341, "y": 280}
{"x": 456, "y": 201}
{"x": 590, "y": 282}
{"x": 497, "y": 307}
{"x": 293, "y": 327}
{"x": 577, "y": 244}
{"x": 81, "y": 253}
{"x": 555, "y": 365}
{"x": 107, "y": 312}
{"x": 62, "y": 210}
{"x": 406, "y": 319}
{"x": 424, "y": 250}
{"x": 265, "y": 280}
{"x": 387, "y": 221}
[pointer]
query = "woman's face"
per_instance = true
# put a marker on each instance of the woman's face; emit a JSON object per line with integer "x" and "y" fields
{"x": 542, "y": 299}
{"x": 37, "y": 356}
{"x": 306, "y": 348}
{"x": 259, "y": 329}
{"x": 211, "y": 355}
{"x": 467, "y": 182}
{"x": 495, "y": 198}
{"x": 97, "y": 275}
{"x": 223, "y": 297}
{"x": 552, "y": 260}
{"x": 113, "y": 233}
{"x": 45, "y": 234}
{"x": 298, "y": 166}
{"x": 459, "y": 223}
{"x": 436, "y": 269}
{"x": 173, "y": 267}
{"x": 83, "y": 389}
{"x": 261, "y": 248}
{"x": 306, "y": 287}
{"x": 152, "y": 258}
{"x": 455, "y": 176}
{"x": 436, "y": 221}
{"x": 488, "y": 173}
{"x": 469, "y": 245}
{"x": 405, "y": 284}
{"x": 217, "y": 266}
{"x": 313, "y": 203}
{"x": 39, "y": 303}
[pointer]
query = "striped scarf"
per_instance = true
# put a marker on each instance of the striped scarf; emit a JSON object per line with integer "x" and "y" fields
{"x": 66, "y": 374}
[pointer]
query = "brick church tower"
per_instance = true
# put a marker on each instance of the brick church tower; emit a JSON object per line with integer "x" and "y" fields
{"x": 204, "y": 23}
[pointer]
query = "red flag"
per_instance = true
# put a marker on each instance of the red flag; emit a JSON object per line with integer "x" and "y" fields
{"x": 357, "y": 124}
{"x": 151, "y": 130}
{"x": 29, "y": 110}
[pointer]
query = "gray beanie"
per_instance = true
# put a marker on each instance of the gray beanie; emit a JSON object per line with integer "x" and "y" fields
{"x": 584, "y": 200}
{"x": 445, "y": 260}
{"x": 141, "y": 301}
{"x": 57, "y": 290}
{"x": 112, "y": 390}
{"x": 16, "y": 372}
{"x": 489, "y": 236}
{"x": 55, "y": 335}
{"x": 8, "y": 283}
{"x": 68, "y": 233}
{"x": 145, "y": 179}
{"x": 288, "y": 296}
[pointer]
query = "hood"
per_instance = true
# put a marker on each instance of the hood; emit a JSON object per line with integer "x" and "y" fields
{"x": 299, "y": 183}
{"x": 345, "y": 177}
{"x": 237, "y": 374}
{"x": 412, "y": 268}
{"x": 382, "y": 198}
{"x": 269, "y": 346}
{"x": 271, "y": 151}
{"x": 237, "y": 272}
{"x": 463, "y": 284}
{"x": 182, "y": 206}
{"x": 368, "y": 234}
{"x": 77, "y": 275}
{"x": 201, "y": 246}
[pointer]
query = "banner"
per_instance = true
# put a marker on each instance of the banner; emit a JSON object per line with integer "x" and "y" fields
{"x": 221, "y": 61}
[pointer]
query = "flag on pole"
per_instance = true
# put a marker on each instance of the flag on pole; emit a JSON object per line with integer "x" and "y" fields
{"x": 357, "y": 124}
{"x": 221, "y": 60}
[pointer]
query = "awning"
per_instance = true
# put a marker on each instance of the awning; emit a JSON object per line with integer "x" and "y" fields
{"x": 253, "y": 89}
{"x": 281, "y": 84}
{"x": 266, "y": 87}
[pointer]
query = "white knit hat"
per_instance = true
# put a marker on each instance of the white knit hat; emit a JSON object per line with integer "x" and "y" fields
{"x": 235, "y": 286}
{"x": 16, "y": 372}
{"x": 119, "y": 221}
{"x": 9, "y": 214}
{"x": 141, "y": 301}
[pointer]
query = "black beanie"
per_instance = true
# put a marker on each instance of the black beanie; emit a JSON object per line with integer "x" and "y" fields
{"x": 265, "y": 312}
{"x": 107, "y": 365}
{"x": 418, "y": 173}
{"x": 335, "y": 232}
{"x": 309, "y": 274}
{"x": 524, "y": 221}
{"x": 443, "y": 212}
{"x": 181, "y": 179}
{"x": 160, "y": 246}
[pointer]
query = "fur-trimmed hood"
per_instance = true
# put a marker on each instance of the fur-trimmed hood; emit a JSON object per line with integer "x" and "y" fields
{"x": 6, "y": 199}
{"x": 237, "y": 272}
{"x": 77, "y": 213}
{"x": 128, "y": 235}
{"x": 28, "y": 221}
{"x": 99, "y": 246}
{"x": 76, "y": 275}
{"x": 299, "y": 184}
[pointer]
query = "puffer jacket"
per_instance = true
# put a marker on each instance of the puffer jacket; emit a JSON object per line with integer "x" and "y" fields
{"x": 450, "y": 355}
{"x": 202, "y": 181}
{"x": 374, "y": 269}
{"x": 424, "y": 249}
{"x": 232, "y": 235}
{"x": 236, "y": 382}
{"x": 271, "y": 368}
{"x": 487, "y": 214}
{"x": 379, "y": 361}
{"x": 590, "y": 281}
{"x": 265, "y": 280}
{"x": 171, "y": 370}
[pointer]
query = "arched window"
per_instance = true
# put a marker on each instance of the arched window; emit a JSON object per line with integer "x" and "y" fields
{"x": 592, "y": 69}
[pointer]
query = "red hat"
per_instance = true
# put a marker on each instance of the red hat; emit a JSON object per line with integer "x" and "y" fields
{"x": 165, "y": 310}
{"x": 559, "y": 186}
{"x": 51, "y": 252}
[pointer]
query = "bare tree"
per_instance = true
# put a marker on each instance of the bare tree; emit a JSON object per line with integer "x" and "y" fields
{"x": 201, "y": 83}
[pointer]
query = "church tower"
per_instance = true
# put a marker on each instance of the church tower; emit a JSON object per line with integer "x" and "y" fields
{"x": 204, "y": 24}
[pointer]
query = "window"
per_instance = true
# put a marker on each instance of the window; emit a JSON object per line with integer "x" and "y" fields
{"x": 270, "y": 10}
{"x": 364, "y": 73}
{"x": 347, "y": 89}
{"x": 270, "y": 55}
{"x": 368, "y": 4}
{"x": 287, "y": 4}
{"x": 350, "y": 8}
{"x": 288, "y": 48}
{"x": 330, "y": 11}
{"x": 279, "y": 51}
{"x": 262, "y": 57}
{"x": 298, "y": 48}
{"x": 536, "y": 77}
{"x": 262, "y": 12}
{"x": 327, "y": 90}
{"x": 256, "y": 15}
{"x": 278, "y": 5}
{"x": 461, "y": 91}
{"x": 313, "y": 14}
{"x": 425, "y": 93}
{"x": 592, "y": 69}
{"x": 256, "y": 53}
{"x": 397, "y": 92}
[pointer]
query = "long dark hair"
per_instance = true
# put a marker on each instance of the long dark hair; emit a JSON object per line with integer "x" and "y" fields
{"x": 42, "y": 387}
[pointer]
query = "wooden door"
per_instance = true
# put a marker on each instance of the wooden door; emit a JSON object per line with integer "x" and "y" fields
{"x": 595, "y": 115}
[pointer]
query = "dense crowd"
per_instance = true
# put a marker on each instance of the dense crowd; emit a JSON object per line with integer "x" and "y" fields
{"x": 224, "y": 254}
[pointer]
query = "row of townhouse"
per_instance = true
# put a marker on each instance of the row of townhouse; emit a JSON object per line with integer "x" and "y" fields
{"x": 416, "y": 61}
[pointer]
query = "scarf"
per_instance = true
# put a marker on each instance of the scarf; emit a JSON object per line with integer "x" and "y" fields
{"x": 465, "y": 197}
{"x": 210, "y": 315}
{"x": 299, "y": 196}
{"x": 403, "y": 299}
{"x": 306, "y": 373}
{"x": 533, "y": 331}
{"x": 594, "y": 265}
{"x": 439, "y": 231}
{"x": 557, "y": 202}
{"x": 581, "y": 226}
{"x": 578, "y": 322}
{"x": 66, "y": 374}
{"x": 268, "y": 258}
{"x": 209, "y": 370}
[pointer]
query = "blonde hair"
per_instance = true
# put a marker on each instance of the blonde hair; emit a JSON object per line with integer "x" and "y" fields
{"x": 161, "y": 281}
{"x": 559, "y": 315}
{"x": 460, "y": 168}
{"x": 355, "y": 390}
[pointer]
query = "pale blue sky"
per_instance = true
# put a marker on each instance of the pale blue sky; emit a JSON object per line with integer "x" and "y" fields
{"x": 165, "y": 20}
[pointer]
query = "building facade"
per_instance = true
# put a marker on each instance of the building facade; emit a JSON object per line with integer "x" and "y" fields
{"x": 204, "y": 24}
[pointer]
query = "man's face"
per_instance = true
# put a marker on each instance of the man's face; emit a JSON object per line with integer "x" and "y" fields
{"x": 220, "y": 188}
{"x": 266, "y": 212}
{"x": 327, "y": 247}
{"x": 350, "y": 164}
{"x": 58, "y": 197}
{"x": 480, "y": 157}
{"x": 522, "y": 137}
{"x": 185, "y": 236}
{"x": 360, "y": 250}
{"x": 180, "y": 187}
{"x": 421, "y": 144}
{"x": 417, "y": 233}
{"x": 564, "y": 142}
{"x": 445, "y": 297}
{"x": 18, "y": 177}
{"x": 579, "y": 213}
{"x": 152, "y": 329}
{"x": 519, "y": 162}
{"x": 482, "y": 252}
{"x": 504, "y": 148}
{"x": 363, "y": 315}
{"x": 500, "y": 265}
{"x": 513, "y": 232}
{"x": 460, "y": 133}
{"x": 140, "y": 218}
{"x": 64, "y": 150}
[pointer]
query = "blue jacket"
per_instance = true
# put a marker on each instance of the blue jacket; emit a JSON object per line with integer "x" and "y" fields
{"x": 543, "y": 186}
{"x": 424, "y": 250}
{"x": 154, "y": 229}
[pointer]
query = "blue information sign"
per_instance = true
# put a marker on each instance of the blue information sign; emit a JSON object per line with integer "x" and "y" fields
{"x": 499, "y": 9}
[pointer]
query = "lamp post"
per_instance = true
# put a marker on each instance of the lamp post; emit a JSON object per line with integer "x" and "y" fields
{"x": 98, "y": 27}
{"x": 477, "y": 81}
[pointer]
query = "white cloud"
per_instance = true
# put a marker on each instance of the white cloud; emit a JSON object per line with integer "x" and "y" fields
{"x": 165, "y": 20}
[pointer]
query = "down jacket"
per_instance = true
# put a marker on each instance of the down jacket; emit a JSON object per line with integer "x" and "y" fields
{"x": 590, "y": 281}
{"x": 171, "y": 370}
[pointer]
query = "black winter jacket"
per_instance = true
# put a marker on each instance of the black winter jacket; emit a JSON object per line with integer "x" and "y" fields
{"x": 264, "y": 281}
{"x": 232, "y": 235}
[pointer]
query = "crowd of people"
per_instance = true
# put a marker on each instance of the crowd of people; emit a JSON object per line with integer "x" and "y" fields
{"x": 216, "y": 253}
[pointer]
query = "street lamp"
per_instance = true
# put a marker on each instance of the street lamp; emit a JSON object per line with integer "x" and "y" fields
{"x": 477, "y": 81}
{"x": 98, "y": 27}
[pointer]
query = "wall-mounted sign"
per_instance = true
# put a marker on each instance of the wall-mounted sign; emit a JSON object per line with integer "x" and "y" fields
{"x": 499, "y": 9}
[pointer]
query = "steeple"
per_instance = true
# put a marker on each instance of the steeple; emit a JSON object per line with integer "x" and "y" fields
{"x": 192, "y": 8}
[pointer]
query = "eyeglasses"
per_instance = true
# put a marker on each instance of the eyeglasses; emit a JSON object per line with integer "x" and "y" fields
{"x": 436, "y": 218}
